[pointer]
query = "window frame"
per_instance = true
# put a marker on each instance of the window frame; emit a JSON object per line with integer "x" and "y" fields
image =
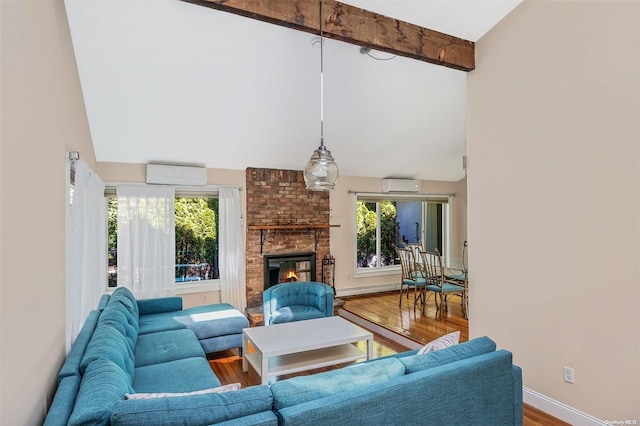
{"x": 208, "y": 191}
{"x": 445, "y": 199}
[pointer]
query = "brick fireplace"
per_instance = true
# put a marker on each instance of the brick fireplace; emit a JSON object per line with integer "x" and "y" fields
{"x": 279, "y": 209}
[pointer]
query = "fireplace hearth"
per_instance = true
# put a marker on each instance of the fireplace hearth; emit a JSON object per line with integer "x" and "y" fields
{"x": 289, "y": 267}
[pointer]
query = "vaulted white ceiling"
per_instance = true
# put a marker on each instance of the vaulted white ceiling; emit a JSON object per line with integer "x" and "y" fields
{"x": 168, "y": 81}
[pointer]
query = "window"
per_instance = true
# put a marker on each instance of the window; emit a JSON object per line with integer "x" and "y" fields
{"x": 197, "y": 230}
{"x": 384, "y": 221}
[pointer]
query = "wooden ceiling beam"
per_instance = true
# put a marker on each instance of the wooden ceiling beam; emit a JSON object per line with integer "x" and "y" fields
{"x": 356, "y": 26}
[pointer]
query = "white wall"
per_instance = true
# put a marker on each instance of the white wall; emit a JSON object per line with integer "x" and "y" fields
{"x": 554, "y": 199}
{"x": 42, "y": 115}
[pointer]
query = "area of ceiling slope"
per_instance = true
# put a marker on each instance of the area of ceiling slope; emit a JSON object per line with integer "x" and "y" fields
{"x": 168, "y": 81}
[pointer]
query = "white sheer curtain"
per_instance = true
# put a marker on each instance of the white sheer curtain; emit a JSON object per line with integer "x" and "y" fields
{"x": 86, "y": 249}
{"x": 231, "y": 257}
{"x": 146, "y": 240}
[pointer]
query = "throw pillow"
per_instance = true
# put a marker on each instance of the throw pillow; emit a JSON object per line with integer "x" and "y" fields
{"x": 441, "y": 343}
{"x": 219, "y": 389}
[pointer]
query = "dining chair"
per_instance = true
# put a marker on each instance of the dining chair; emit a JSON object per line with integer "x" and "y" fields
{"x": 415, "y": 248}
{"x": 461, "y": 276}
{"x": 411, "y": 275}
{"x": 437, "y": 284}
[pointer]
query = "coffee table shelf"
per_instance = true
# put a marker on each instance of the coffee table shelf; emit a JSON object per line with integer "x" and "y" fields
{"x": 302, "y": 361}
{"x": 302, "y": 345}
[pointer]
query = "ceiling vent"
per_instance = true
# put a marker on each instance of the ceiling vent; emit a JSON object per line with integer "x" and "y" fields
{"x": 400, "y": 185}
{"x": 161, "y": 174}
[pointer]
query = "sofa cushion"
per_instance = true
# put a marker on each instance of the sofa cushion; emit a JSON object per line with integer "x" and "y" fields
{"x": 219, "y": 319}
{"x": 302, "y": 389}
{"x": 221, "y": 343}
{"x": 165, "y": 346}
{"x": 197, "y": 410}
{"x": 206, "y": 321}
{"x": 263, "y": 418}
{"x": 182, "y": 375}
{"x": 71, "y": 365}
{"x": 295, "y": 313}
{"x": 478, "y": 346}
{"x": 154, "y": 323}
{"x": 102, "y": 385}
{"x": 109, "y": 343}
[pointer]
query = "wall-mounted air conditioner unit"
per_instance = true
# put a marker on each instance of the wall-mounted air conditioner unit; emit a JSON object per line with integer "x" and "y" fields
{"x": 176, "y": 175}
{"x": 401, "y": 185}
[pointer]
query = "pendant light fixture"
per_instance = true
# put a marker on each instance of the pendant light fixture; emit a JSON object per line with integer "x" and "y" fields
{"x": 321, "y": 171}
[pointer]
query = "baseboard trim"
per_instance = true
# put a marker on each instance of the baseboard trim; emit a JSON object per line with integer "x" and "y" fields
{"x": 357, "y": 291}
{"x": 559, "y": 410}
{"x": 386, "y": 333}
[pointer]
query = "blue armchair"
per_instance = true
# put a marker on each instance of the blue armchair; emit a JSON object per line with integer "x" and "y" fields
{"x": 297, "y": 301}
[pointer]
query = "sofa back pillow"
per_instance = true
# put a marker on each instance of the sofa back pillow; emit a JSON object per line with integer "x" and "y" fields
{"x": 102, "y": 385}
{"x": 122, "y": 320}
{"x": 108, "y": 343}
{"x": 124, "y": 296}
{"x": 478, "y": 346}
{"x": 302, "y": 389}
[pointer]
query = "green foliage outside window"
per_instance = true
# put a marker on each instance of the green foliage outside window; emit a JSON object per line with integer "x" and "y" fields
{"x": 196, "y": 237}
{"x": 197, "y": 230}
{"x": 366, "y": 224}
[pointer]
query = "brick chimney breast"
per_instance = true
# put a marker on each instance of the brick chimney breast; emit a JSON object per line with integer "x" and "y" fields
{"x": 280, "y": 197}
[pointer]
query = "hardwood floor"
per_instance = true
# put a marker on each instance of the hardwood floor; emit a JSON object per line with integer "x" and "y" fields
{"x": 383, "y": 310}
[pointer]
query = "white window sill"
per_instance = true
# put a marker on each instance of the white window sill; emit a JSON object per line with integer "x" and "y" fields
{"x": 197, "y": 287}
{"x": 376, "y": 272}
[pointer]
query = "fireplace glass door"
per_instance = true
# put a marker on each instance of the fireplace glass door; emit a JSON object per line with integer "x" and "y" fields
{"x": 290, "y": 267}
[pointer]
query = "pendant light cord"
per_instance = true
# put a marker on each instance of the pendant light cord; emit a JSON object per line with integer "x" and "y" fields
{"x": 321, "y": 80}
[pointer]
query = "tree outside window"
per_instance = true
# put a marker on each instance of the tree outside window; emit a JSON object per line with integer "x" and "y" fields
{"x": 376, "y": 249}
{"x": 197, "y": 230}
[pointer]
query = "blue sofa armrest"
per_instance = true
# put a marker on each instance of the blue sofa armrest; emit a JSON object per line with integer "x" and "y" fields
{"x": 63, "y": 402}
{"x": 104, "y": 300}
{"x": 71, "y": 366}
{"x": 159, "y": 305}
{"x": 518, "y": 413}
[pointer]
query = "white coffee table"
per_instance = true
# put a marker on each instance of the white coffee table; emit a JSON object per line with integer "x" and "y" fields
{"x": 302, "y": 345}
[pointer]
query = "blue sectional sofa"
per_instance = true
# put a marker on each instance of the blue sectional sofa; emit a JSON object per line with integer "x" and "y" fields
{"x": 111, "y": 358}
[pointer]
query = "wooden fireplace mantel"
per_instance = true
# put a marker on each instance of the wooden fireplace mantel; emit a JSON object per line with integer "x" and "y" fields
{"x": 264, "y": 230}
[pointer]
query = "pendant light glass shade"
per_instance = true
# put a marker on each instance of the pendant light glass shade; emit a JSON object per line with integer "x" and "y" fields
{"x": 321, "y": 171}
